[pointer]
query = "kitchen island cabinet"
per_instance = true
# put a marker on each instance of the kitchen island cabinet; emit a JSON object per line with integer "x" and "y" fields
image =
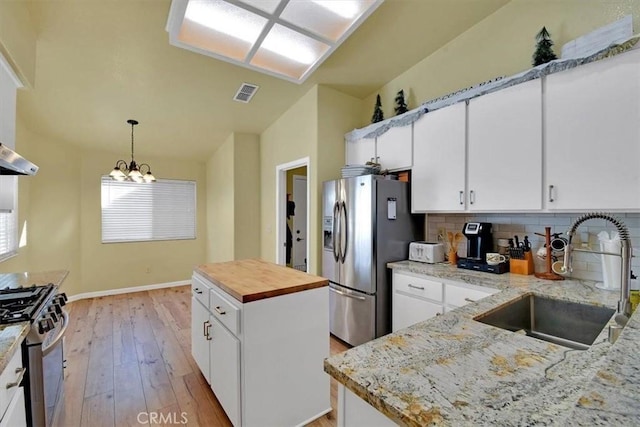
{"x": 267, "y": 331}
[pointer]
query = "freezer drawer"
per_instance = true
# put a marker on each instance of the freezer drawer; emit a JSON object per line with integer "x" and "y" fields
{"x": 352, "y": 315}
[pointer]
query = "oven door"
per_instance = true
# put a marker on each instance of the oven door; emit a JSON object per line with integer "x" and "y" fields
{"x": 46, "y": 374}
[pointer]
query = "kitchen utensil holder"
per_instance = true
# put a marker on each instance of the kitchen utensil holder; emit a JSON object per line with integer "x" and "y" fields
{"x": 549, "y": 274}
{"x": 522, "y": 266}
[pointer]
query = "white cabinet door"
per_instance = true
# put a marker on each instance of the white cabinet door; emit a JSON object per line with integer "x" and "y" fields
{"x": 505, "y": 149}
{"x": 407, "y": 310}
{"x": 593, "y": 135}
{"x": 225, "y": 369}
{"x": 360, "y": 151}
{"x": 394, "y": 148}
{"x": 438, "y": 174}
{"x": 16, "y": 415}
{"x": 200, "y": 326}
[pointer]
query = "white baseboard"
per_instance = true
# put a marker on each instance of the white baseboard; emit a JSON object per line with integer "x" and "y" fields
{"x": 109, "y": 292}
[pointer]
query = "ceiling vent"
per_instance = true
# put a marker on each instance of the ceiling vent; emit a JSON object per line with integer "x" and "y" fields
{"x": 246, "y": 92}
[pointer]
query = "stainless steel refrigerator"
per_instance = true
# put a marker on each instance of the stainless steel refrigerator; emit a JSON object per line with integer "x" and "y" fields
{"x": 367, "y": 223}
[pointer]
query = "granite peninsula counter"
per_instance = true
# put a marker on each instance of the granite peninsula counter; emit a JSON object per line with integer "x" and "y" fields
{"x": 452, "y": 370}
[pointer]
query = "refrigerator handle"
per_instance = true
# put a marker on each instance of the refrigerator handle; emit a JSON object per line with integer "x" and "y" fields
{"x": 336, "y": 213}
{"x": 346, "y": 233}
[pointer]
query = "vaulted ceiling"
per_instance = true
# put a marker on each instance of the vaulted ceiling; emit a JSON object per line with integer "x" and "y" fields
{"x": 101, "y": 62}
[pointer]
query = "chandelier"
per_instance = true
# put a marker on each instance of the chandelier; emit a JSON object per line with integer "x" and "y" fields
{"x": 133, "y": 172}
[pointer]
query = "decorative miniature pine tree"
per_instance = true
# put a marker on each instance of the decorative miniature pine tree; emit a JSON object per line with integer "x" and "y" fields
{"x": 401, "y": 106}
{"x": 378, "y": 115}
{"x": 544, "y": 52}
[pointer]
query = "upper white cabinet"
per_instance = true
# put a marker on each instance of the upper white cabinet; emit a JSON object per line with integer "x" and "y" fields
{"x": 593, "y": 136}
{"x": 505, "y": 149}
{"x": 438, "y": 175}
{"x": 394, "y": 148}
{"x": 361, "y": 151}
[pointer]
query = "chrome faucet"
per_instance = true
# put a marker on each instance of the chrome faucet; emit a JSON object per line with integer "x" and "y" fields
{"x": 624, "y": 304}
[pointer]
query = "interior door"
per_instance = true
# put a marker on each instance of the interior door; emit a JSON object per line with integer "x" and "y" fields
{"x": 299, "y": 251}
{"x": 357, "y": 268}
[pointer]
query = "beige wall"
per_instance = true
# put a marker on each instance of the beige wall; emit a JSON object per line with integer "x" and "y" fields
{"x": 233, "y": 199}
{"x": 500, "y": 45}
{"x": 18, "y": 39}
{"x": 220, "y": 191}
{"x": 247, "y": 196}
{"x": 313, "y": 127}
{"x": 64, "y": 225}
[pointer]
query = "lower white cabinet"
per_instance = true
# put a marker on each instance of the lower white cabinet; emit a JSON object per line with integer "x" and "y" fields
{"x": 225, "y": 369}
{"x": 355, "y": 412}
{"x": 12, "y": 405}
{"x": 264, "y": 358}
{"x": 418, "y": 297}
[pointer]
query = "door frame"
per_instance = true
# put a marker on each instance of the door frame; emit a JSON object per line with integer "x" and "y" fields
{"x": 281, "y": 209}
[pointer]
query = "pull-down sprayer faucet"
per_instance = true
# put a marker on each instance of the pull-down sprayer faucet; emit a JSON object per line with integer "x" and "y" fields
{"x": 624, "y": 304}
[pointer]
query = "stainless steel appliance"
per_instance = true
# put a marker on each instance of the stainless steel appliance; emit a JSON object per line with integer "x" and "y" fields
{"x": 429, "y": 252}
{"x": 42, "y": 348}
{"x": 12, "y": 163}
{"x": 367, "y": 223}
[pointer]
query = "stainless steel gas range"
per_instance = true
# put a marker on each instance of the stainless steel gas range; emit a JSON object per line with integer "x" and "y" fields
{"x": 42, "y": 307}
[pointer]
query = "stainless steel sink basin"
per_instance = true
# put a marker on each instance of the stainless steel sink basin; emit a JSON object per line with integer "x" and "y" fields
{"x": 565, "y": 323}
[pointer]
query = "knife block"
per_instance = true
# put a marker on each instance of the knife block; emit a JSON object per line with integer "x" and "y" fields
{"x": 522, "y": 266}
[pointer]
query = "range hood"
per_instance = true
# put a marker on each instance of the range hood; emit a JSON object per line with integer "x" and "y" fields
{"x": 12, "y": 163}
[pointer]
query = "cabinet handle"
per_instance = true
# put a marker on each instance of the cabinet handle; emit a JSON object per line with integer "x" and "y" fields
{"x": 208, "y": 330}
{"x": 551, "y": 200}
{"x": 204, "y": 328}
{"x": 461, "y": 197}
{"x": 469, "y": 300}
{"x": 220, "y": 310}
{"x": 416, "y": 287}
{"x": 472, "y": 197}
{"x": 372, "y": 159}
{"x": 197, "y": 291}
{"x": 377, "y": 159}
{"x": 20, "y": 372}
{"x": 438, "y": 314}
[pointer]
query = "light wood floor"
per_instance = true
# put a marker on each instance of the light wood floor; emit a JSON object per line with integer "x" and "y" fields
{"x": 130, "y": 354}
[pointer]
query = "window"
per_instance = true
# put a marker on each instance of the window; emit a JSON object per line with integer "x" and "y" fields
{"x": 9, "y": 220}
{"x": 135, "y": 212}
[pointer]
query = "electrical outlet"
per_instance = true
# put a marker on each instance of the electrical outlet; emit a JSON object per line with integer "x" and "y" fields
{"x": 442, "y": 234}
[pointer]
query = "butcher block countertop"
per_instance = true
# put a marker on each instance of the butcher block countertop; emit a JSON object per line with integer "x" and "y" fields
{"x": 254, "y": 279}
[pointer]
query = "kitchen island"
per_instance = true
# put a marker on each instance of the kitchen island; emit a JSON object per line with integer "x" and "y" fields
{"x": 260, "y": 333}
{"x": 453, "y": 370}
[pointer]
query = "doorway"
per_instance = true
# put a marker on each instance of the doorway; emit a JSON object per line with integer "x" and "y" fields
{"x": 292, "y": 214}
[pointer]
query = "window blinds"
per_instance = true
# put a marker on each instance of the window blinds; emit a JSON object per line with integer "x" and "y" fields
{"x": 9, "y": 223}
{"x": 134, "y": 212}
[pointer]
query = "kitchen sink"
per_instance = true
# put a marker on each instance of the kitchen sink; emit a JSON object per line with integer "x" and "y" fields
{"x": 565, "y": 323}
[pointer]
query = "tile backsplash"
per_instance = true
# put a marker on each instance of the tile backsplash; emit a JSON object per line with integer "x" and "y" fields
{"x": 585, "y": 265}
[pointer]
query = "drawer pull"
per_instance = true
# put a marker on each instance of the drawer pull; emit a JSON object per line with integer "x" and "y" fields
{"x": 470, "y": 300}
{"x": 220, "y": 310}
{"x": 20, "y": 372}
{"x": 197, "y": 291}
{"x": 416, "y": 287}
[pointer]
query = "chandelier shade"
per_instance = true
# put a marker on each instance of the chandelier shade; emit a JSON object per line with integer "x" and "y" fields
{"x": 132, "y": 171}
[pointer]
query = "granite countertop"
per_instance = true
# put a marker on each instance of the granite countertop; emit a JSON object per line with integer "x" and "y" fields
{"x": 11, "y": 335}
{"x": 254, "y": 279}
{"x": 452, "y": 370}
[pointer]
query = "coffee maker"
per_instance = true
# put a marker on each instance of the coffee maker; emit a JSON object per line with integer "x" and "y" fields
{"x": 479, "y": 243}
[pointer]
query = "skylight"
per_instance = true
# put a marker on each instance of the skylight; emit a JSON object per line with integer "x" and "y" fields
{"x": 284, "y": 38}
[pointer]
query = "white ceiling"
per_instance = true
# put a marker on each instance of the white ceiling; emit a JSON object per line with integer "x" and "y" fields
{"x": 101, "y": 62}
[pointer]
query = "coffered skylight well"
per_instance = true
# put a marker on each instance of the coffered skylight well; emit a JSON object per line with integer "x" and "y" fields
{"x": 284, "y": 38}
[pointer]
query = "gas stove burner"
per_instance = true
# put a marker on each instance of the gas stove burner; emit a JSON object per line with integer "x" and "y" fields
{"x": 23, "y": 304}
